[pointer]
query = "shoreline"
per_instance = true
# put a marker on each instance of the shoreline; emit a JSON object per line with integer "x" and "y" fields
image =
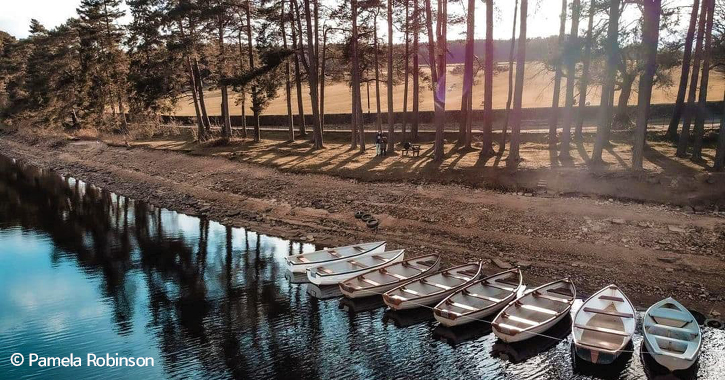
{"x": 650, "y": 251}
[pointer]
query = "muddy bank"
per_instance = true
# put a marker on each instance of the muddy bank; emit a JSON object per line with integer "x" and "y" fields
{"x": 651, "y": 251}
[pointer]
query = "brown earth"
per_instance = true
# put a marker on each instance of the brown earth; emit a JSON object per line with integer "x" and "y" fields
{"x": 649, "y": 250}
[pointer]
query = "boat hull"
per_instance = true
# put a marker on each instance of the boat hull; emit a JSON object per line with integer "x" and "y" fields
{"x": 468, "y": 318}
{"x": 302, "y": 268}
{"x": 526, "y": 334}
{"x": 596, "y": 356}
{"x": 336, "y": 279}
{"x": 351, "y": 292}
{"x": 670, "y": 362}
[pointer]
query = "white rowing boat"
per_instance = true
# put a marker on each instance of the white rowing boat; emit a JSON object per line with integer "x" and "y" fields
{"x": 300, "y": 263}
{"x": 339, "y": 271}
{"x": 480, "y": 299}
{"x": 379, "y": 281}
{"x": 603, "y": 326}
{"x": 431, "y": 289}
{"x": 671, "y": 335}
{"x": 535, "y": 312}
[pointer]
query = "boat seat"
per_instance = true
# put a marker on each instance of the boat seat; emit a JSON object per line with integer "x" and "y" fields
{"x": 610, "y": 298}
{"x": 671, "y": 340}
{"x": 610, "y": 313}
{"x": 507, "y": 326}
{"x": 378, "y": 257}
{"x": 520, "y": 320}
{"x": 674, "y": 315}
{"x": 561, "y": 292}
{"x": 550, "y": 298}
{"x": 369, "y": 281}
{"x": 324, "y": 270}
{"x": 399, "y": 277}
{"x": 500, "y": 287}
{"x": 461, "y": 306}
{"x": 480, "y": 296}
{"x": 673, "y": 329}
{"x": 410, "y": 291}
{"x": 535, "y": 308}
{"x": 303, "y": 259}
{"x": 602, "y": 330}
{"x": 448, "y": 274}
{"x": 434, "y": 284}
{"x": 601, "y": 346}
{"x": 359, "y": 248}
{"x": 334, "y": 253}
{"x": 355, "y": 263}
{"x": 407, "y": 264}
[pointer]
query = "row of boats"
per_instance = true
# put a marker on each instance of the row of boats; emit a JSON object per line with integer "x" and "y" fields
{"x": 602, "y": 327}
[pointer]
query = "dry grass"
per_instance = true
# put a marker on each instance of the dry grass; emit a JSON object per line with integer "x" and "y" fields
{"x": 538, "y": 91}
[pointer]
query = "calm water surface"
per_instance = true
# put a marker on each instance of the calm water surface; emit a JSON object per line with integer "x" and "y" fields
{"x": 85, "y": 271}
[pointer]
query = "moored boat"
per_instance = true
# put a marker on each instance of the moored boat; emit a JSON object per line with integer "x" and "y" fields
{"x": 480, "y": 299}
{"x": 381, "y": 280}
{"x": 671, "y": 335}
{"x": 300, "y": 263}
{"x": 603, "y": 326}
{"x": 535, "y": 312}
{"x": 431, "y": 289}
{"x": 335, "y": 273}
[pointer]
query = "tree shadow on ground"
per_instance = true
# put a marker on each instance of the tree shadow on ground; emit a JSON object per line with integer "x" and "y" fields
{"x": 670, "y": 165}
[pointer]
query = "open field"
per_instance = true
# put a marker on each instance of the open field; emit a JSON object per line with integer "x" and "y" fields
{"x": 538, "y": 91}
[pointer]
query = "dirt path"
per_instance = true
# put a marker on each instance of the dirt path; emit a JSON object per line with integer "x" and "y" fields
{"x": 650, "y": 251}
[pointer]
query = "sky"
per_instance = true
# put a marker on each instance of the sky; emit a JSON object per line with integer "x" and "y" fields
{"x": 543, "y": 16}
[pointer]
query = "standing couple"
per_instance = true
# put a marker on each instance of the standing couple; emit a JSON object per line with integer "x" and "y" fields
{"x": 381, "y": 144}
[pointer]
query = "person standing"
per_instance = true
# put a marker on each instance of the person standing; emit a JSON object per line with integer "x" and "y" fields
{"x": 378, "y": 144}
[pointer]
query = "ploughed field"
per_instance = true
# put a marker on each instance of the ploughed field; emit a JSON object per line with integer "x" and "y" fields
{"x": 538, "y": 90}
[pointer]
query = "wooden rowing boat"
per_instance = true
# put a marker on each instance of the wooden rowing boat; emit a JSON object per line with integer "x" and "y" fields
{"x": 431, "y": 289}
{"x": 339, "y": 271}
{"x": 480, "y": 299}
{"x": 300, "y": 263}
{"x": 671, "y": 335}
{"x": 381, "y": 280}
{"x": 534, "y": 312}
{"x": 603, "y": 326}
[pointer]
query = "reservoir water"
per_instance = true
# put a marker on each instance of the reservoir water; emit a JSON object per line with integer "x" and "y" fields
{"x": 83, "y": 270}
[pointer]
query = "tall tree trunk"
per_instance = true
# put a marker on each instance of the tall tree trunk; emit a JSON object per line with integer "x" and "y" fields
{"x": 570, "y": 81}
{"x": 502, "y": 146}
{"x": 416, "y": 71}
{"x": 298, "y": 73}
{"x": 514, "y": 157}
{"x": 243, "y": 100}
{"x": 406, "y": 70}
{"x": 690, "y": 108}
{"x": 376, "y": 62}
{"x": 650, "y": 38}
{"x": 487, "y": 148}
{"x": 255, "y": 105}
{"x": 287, "y": 74}
{"x": 584, "y": 81}
{"x": 612, "y": 49}
{"x": 391, "y": 114}
{"x": 467, "y": 89}
{"x": 200, "y": 91}
{"x": 720, "y": 150}
{"x": 201, "y": 132}
{"x": 554, "y": 117}
{"x": 439, "y": 93}
{"x": 702, "y": 100}
{"x": 682, "y": 89}
{"x": 323, "y": 65}
{"x": 313, "y": 78}
{"x": 226, "y": 121}
{"x": 431, "y": 42}
{"x": 356, "y": 76}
